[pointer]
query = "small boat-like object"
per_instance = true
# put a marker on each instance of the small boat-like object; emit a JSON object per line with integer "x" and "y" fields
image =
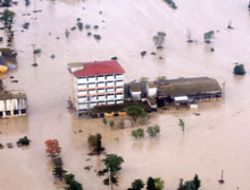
{"x": 3, "y": 69}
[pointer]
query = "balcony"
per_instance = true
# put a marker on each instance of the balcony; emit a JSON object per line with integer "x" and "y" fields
{"x": 82, "y": 93}
{"x": 119, "y": 96}
{"x": 100, "y": 79}
{"x": 101, "y": 84}
{"x": 119, "y": 77}
{"x": 92, "y": 79}
{"x": 120, "y": 90}
{"x": 81, "y": 80}
{"x": 82, "y": 100}
{"x": 110, "y": 84}
{"x": 92, "y": 85}
{"x": 109, "y": 78}
{"x": 119, "y": 83}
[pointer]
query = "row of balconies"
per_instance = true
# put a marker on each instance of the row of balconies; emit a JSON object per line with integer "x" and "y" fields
{"x": 100, "y": 92}
{"x": 100, "y": 98}
{"x": 13, "y": 104}
{"x": 98, "y": 85}
{"x": 99, "y": 78}
{"x": 93, "y": 104}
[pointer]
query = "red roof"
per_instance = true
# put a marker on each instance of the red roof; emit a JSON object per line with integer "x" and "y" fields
{"x": 99, "y": 68}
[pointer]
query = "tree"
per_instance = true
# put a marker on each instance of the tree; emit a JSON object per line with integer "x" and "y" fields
{"x": 153, "y": 131}
{"x": 113, "y": 178}
{"x": 137, "y": 185}
{"x": 99, "y": 147}
{"x": 52, "y": 147}
{"x": 159, "y": 183}
{"x": 161, "y": 78}
{"x": 151, "y": 184}
{"x": 67, "y": 33}
{"x": 159, "y": 39}
{"x": 171, "y": 3}
{"x": 113, "y": 162}
{"x": 239, "y": 69}
{"x": 72, "y": 184}
{"x": 95, "y": 141}
{"x": 208, "y": 36}
{"x": 111, "y": 124}
{"x": 68, "y": 178}
{"x": 249, "y": 6}
{"x": 8, "y": 17}
{"x": 138, "y": 133}
{"x": 6, "y": 3}
{"x": 181, "y": 186}
{"x": 136, "y": 111}
{"x": 189, "y": 185}
{"x": 197, "y": 181}
{"x": 23, "y": 141}
{"x": 59, "y": 172}
{"x": 104, "y": 121}
{"x": 182, "y": 125}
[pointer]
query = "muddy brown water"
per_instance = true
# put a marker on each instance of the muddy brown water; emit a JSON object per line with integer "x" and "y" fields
{"x": 217, "y": 139}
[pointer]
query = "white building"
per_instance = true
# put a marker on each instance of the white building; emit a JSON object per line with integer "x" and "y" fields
{"x": 135, "y": 90}
{"x": 95, "y": 84}
{"x": 12, "y": 103}
{"x": 151, "y": 89}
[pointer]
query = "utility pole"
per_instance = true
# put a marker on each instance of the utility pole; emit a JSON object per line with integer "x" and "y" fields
{"x": 34, "y": 6}
{"x": 221, "y": 180}
{"x": 34, "y": 55}
{"x": 224, "y": 89}
{"x": 110, "y": 180}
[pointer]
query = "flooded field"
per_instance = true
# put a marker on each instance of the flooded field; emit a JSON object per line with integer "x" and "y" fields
{"x": 217, "y": 139}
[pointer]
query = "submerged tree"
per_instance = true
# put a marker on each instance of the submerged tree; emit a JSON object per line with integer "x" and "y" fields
{"x": 208, "y": 36}
{"x": 59, "y": 172}
{"x": 239, "y": 69}
{"x": 153, "y": 131}
{"x": 171, "y": 3}
{"x": 151, "y": 184}
{"x": 113, "y": 165}
{"x": 181, "y": 185}
{"x": 197, "y": 181}
{"x": 159, "y": 39}
{"x": 72, "y": 184}
{"x": 67, "y": 33}
{"x": 182, "y": 125}
{"x": 95, "y": 142}
{"x": 113, "y": 162}
{"x": 159, "y": 183}
{"x": 136, "y": 111}
{"x": 136, "y": 185}
{"x": 52, "y": 147}
{"x": 138, "y": 133}
{"x": 6, "y": 3}
{"x": 8, "y": 17}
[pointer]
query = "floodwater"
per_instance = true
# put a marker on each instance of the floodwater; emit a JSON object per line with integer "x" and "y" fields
{"x": 217, "y": 139}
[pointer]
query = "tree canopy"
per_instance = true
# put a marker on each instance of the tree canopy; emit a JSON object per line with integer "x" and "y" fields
{"x": 136, "y": 111}
{"x": 113, "y": 162}
{"x": 137, "y": 184}
{"x": 239, "y": 69}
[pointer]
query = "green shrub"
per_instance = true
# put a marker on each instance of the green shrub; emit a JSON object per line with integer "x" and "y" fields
{"x": 138, "y": 133}
{"x": 153, "y": 131}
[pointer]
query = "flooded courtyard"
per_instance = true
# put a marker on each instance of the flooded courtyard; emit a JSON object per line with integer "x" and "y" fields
{"x": 216, "y": 139}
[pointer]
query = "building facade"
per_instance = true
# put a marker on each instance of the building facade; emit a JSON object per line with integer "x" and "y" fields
{"x": 96, "y": 84}
{"x": 12, "y": 103}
